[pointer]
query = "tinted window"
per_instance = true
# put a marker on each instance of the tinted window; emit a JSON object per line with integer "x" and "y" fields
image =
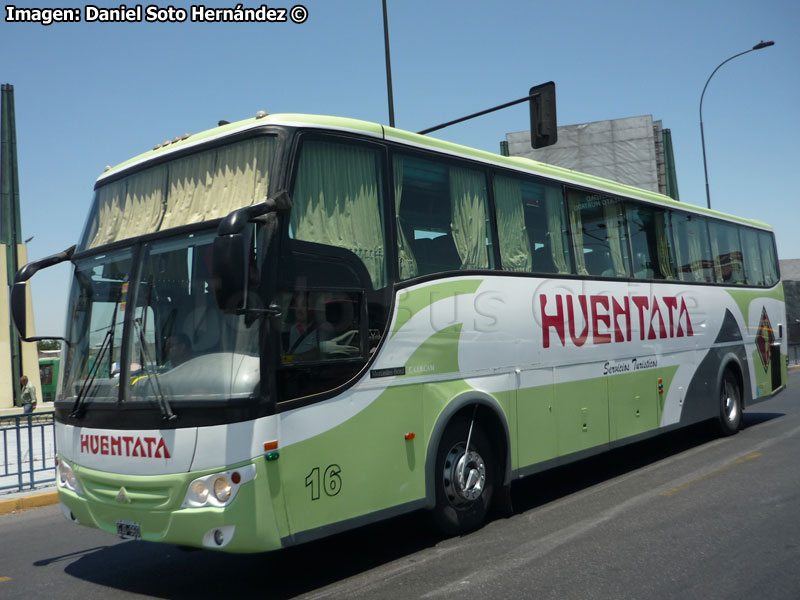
{"x": 531, "y": 226}
{"x": 599, "y": 236}
{"x": 753, "y": 267}
{"x": 769, "y": 259}
{"x": 442, "y": 217}
{"x": 692, "y": 249}
{"x": 651, "y": 244}
{"x": 337, "y": 202}
{"x": 727, "y": 252}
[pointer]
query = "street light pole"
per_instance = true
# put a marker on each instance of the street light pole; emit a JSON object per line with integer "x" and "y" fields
{"x": 388, "y": 65}
{"x": 758, "y": 46}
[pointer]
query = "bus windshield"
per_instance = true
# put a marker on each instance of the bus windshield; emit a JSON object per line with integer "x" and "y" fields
{"x": 177, "y": 345}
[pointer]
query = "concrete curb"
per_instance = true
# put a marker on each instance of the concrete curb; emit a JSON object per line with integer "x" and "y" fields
{"x": 30, "y": 501}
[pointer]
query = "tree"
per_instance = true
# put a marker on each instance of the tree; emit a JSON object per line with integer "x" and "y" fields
{"x": 48, "y": 345}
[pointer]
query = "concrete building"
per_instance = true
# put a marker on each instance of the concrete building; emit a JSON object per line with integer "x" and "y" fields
{"x": 636, "y": 151}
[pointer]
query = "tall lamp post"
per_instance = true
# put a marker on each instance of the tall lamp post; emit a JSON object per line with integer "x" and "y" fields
{"x": 388, "y": 65}
{"x": 758, "y": 46}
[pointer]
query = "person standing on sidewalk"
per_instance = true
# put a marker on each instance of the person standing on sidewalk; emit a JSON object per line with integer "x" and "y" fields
{"x": 27, "y": 395}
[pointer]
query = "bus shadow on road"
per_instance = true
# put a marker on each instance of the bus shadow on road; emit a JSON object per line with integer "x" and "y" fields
{"x": 161, "y": 571}
{"x": 167, "y": 572}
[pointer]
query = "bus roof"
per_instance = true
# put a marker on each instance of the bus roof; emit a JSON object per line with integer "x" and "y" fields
{"x": 419, "y": 141}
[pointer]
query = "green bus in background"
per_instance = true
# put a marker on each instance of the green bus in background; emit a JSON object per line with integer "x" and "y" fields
{"x": 48, "y": 373}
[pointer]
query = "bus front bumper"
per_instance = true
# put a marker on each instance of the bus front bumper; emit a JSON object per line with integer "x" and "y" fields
{"x": 152, "y": 508}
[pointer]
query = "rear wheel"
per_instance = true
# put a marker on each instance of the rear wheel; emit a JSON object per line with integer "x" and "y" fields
{"x": 464, "y": 479}
{"x": 730, "y": 404}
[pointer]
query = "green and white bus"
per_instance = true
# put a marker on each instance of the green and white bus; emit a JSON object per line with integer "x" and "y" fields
{"x": 293, "y": 325}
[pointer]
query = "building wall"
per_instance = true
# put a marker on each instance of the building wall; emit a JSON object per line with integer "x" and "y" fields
{"x": 624, "y": 150}
{"x": 30, "y": 355}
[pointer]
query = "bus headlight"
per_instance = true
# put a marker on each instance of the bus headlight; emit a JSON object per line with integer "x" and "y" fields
{"x": 222, "y": 489}
{"x": 218, "y": 489}
{"x": 67, "y": 478}
{"x": 200, "y": 491}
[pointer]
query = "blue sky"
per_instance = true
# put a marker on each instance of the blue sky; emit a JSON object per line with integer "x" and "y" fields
{"x": 94, "y": 94}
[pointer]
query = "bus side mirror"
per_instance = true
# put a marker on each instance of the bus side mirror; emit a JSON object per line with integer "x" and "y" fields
{"x": 229, "y": 262}
{"x": 232, "y": 252}
{"x": 19, "y": 297}
{"x": 544, "y": 126}
{"x": 19, "y": 312}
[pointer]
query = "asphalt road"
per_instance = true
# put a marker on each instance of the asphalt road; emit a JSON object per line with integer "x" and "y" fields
{"x": 688, "y": 515}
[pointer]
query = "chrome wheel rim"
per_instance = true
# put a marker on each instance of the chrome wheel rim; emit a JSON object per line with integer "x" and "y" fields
{"x": 729, "y": 402}
{"x": 464, "y": 475}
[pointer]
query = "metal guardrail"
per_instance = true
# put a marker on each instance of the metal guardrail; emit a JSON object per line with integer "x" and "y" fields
{"x": 27, "y": 451}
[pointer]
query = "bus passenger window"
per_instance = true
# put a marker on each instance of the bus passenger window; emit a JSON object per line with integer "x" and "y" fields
{"x": 766, "y": 243}
{"x": 692, "y": 248}
{"x": 337, "y": 202}
{"x": 753, "y": 267}
{"x": 650, "y": 241}
{"x": 442, "y": 217}
{"x": 727, "y": 252}
{"x": 598, "y": 235}
{"x": 531, "y": 226}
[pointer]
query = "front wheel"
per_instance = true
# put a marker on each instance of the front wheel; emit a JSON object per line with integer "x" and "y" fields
{"x": 464, "y": 479}
{"x": 730, "y": 404}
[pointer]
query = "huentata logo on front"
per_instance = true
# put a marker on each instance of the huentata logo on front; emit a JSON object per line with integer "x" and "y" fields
{"x": 607, "y": 319}
{"x": 125, "y": 445}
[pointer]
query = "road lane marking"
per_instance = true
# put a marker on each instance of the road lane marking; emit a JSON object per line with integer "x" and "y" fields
{"x": 710, "y": 474}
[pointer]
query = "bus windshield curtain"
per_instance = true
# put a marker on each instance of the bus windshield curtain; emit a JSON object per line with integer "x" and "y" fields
{"x": 408, "y": 264}
{"x": 555, "y": 227}
{"x": 211, "y": 184}
{"x": 576, "y": 226}
{"x": 129, "y": 207}
{"x": 201, "y": 187}
{"x": 515, "y": 248}
{"x": 614, "y": 219}
{"x": 336, "y": 202}
{"x": 468, "y": 217}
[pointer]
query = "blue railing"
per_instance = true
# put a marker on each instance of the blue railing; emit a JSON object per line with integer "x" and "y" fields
{"x": 27, "y": 451}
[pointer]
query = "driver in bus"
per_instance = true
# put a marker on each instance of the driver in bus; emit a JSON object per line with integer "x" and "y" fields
{"x": 303, "y": 332}
{"x": 178, "y": 349}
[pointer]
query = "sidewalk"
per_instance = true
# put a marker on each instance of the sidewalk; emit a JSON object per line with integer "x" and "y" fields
{"x": 45, "y": 495}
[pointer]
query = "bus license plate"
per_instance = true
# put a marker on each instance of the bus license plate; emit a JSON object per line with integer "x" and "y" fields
{"x": 128, "y": 530}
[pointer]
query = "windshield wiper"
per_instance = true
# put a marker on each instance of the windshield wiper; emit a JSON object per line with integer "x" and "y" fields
{"x": 78, "y": 408}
